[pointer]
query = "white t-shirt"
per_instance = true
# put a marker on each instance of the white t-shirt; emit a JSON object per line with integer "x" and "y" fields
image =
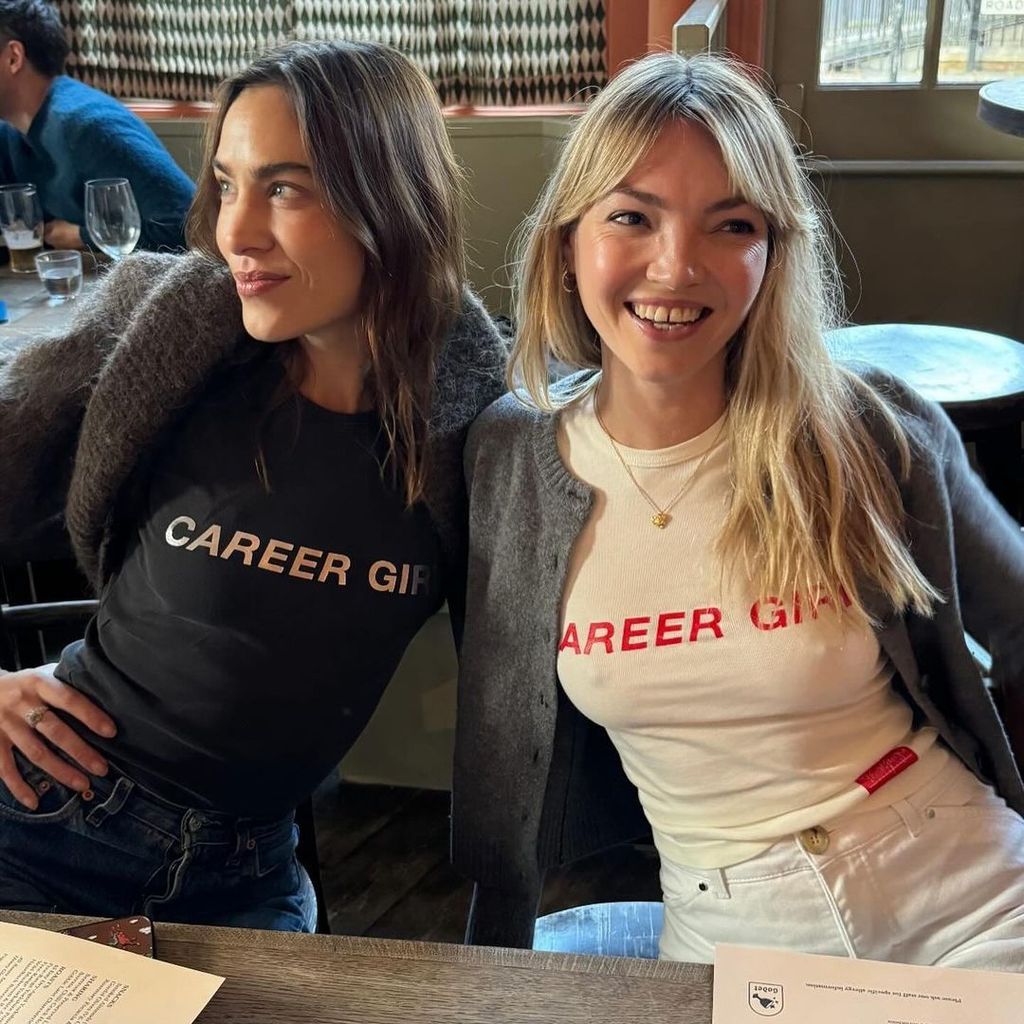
{"x": 740, "y": 718}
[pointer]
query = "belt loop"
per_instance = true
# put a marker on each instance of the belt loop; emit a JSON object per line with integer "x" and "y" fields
{"x": 719, "y": 884}
{"x": 120, "y": 793}
{"x": 910, "y": 816}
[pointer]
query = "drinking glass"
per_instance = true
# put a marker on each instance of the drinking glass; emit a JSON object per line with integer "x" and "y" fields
{"x": 111, "y": 215}
{"x": 61, "y": 273}
{"x": 21, "y": 219}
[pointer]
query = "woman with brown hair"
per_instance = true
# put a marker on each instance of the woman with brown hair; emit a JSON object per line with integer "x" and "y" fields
{"x": 256, "y": 451}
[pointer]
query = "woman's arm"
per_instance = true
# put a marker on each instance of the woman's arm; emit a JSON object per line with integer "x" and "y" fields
{"x": 470, "y": 376}
{"x": 989, "y": 547}
{"x": 984, "y": 545}
{"x": 493, "y": 841}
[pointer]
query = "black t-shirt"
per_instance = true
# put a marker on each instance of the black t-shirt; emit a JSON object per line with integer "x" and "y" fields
{"x": 253, "y": 624}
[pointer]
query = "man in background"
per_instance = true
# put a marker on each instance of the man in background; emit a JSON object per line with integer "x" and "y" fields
{"x": 60, "y": 132}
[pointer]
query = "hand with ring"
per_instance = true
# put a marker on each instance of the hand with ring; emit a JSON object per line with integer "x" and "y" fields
{"x": 27, "y": 722}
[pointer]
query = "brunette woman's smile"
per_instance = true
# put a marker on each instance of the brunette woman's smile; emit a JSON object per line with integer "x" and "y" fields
{"x": 273, "y": 229}
{"x": 257, "y": 283}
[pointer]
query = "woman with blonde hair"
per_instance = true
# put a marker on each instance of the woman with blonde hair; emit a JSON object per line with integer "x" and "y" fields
{"x": 256, "y": 451}
{"x": 718, "y": 571}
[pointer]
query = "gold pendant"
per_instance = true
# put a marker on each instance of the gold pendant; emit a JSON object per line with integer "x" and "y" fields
{"x": 661, "y": 520}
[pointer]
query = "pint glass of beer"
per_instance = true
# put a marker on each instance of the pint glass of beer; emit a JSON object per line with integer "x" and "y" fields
{"x": 21, "y": 219}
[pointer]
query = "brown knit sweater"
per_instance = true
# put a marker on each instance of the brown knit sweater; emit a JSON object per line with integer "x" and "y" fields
{"x": 81, "y": 412}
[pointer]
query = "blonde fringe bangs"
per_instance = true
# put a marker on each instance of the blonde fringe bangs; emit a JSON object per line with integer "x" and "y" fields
{"x": 551, "y": 322}
{"x": 816, "y": 511}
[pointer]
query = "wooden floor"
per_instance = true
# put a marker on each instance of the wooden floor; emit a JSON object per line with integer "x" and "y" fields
{"x": 384, "y": 863}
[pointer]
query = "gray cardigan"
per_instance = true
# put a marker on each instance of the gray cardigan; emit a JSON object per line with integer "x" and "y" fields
{"x": 80, "y": 414}
{"x": 536, "y": 785}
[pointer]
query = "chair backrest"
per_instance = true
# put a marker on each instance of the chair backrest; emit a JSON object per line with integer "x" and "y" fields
{"x": 43, "y": 607}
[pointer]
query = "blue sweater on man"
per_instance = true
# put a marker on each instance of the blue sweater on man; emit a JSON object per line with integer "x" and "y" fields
{"x": 81, "y": 133}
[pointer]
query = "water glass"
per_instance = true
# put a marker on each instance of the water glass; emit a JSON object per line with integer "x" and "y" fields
{"x": 21, "y": 219}
{"x": 111, "y": 215}
{"x": 61, "y": 273}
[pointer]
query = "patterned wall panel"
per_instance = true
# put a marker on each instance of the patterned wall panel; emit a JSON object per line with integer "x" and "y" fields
{"x": 539, "y": 51}
{"x": 475, "y": 51}
{"x": 436, "y": 34}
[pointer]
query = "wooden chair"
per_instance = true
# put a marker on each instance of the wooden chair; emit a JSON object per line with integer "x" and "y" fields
{"x": 33, "y": 632}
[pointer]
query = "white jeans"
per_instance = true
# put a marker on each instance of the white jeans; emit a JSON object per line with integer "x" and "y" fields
{"x": 937, "y": 878}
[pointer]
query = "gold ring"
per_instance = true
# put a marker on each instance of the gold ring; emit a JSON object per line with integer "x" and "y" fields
{"x": 35, "y": 715}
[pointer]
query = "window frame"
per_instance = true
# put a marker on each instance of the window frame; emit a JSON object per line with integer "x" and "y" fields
{"x": 902, "y": 121}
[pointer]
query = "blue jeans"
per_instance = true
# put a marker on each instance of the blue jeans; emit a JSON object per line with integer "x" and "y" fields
{"x": 118, "y": 850}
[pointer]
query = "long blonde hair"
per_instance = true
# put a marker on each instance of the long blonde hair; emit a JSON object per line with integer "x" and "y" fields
{"x": 372, "y": 126}
{"x": 815, "y": 508}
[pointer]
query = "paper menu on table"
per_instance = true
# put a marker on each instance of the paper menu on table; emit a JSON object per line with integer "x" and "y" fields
{"x": 799, "y": 988}
{"x": 49, "y": 978}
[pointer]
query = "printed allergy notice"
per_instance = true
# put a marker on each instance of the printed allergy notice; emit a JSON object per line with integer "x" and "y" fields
{"x": 800, "y": 988}
{"x": 48, "y": 978}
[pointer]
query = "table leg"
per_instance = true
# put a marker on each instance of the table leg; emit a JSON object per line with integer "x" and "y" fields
{"x": 1002, "y": 465}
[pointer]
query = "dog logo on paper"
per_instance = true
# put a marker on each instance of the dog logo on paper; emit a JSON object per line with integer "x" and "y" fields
{"x": 764, "y": 999}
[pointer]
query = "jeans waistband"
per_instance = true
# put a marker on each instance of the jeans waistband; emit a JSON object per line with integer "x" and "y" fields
{"x": 113, "y": 791}
{"x": 954, "y": 784}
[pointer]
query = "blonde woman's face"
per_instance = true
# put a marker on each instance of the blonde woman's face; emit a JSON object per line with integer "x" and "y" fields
{"x": 297, "y": 270}
{"x": 668, "y": 265}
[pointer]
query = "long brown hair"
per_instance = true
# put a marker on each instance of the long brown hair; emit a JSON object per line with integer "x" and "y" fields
{"x": 371, "y": 125}
{"x": 815, "y": 507}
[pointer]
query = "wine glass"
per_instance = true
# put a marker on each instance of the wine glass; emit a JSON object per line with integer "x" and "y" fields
{"x": 111, "y": 216}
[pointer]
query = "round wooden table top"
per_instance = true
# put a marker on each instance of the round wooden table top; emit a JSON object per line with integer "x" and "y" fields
{"x": 978, "y": 378}
{"x": 1001, "y": 105}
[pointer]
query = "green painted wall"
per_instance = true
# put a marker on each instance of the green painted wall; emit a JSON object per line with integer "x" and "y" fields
{"x": 926, "y": 247}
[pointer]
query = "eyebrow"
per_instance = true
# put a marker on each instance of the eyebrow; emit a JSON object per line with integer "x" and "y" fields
{"x": 269, "y": 170}
{"x": 729, "y": 203}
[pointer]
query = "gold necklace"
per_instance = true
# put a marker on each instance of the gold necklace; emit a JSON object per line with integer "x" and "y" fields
{"x": 661, "y": 517}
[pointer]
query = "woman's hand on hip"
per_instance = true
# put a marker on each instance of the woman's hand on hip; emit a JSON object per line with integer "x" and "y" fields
{"x": 27, "y": 722}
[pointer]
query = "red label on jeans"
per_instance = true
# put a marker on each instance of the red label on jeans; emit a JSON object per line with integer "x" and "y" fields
{"x": 887, "y": 767}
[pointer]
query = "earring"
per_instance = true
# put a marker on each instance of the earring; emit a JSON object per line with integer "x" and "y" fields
{"x": 568, "y": 282}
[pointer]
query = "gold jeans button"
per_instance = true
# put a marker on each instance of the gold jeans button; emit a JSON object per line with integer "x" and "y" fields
{"x": 814, "y": 840}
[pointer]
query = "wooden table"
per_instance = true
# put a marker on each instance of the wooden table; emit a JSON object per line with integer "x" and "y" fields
{"x": 1001, "y": 105}
{"x": 279, "y": 978}
{"x": 978, "y": 378}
